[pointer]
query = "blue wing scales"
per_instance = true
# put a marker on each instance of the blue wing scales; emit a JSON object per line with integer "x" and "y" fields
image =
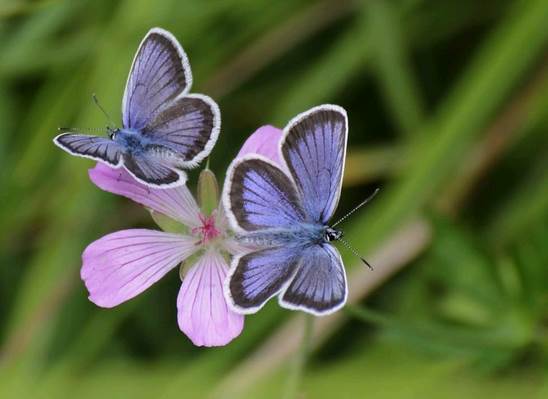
{"x": 159, "y": 73}
{"x": 319, "y": 285}
{"x": 188, "y": 127}
{"x": 273, "y": 207}
{"x": 258, "y": 276}
{"x": 314, "y": 148}
{"x": 261, "y": 196}
{"x": 93, "y": 147}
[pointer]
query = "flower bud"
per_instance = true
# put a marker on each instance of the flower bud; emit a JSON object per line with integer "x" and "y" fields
{"x": 208, "y": 192}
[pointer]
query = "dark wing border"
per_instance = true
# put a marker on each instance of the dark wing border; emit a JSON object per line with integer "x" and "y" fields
{"x": 278, "y": 287}
{"x": 315, "y": 308}
{"x": 57, "y": 141}
{"x": 229, "y": 180}
{"x": 213, "y": 136}
{"x": 288, "y": 129}
{"x": 182, "y": 55}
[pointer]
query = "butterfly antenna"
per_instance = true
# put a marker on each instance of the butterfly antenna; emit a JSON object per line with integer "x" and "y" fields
{"x": 365, "y": 201}
{"x": 351, "y": 249}
{"x": 81, "y": 129}
{"x": 96, "y": 101}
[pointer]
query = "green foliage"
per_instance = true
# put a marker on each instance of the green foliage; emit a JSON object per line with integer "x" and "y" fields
{"x": 487, "y": 308}
{"x": 442, "y": 96}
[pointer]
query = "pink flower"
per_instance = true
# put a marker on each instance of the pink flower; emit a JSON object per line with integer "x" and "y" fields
{"x": 121, "y": 265}
{"x": 264, "y": 141}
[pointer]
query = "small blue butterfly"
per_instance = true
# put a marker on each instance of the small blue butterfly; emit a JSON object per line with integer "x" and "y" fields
{"x": 285, "y": 211}
{"x": 165, "y": 129}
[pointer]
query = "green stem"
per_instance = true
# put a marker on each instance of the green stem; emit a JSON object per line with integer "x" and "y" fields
{"x": 299, "y": 363}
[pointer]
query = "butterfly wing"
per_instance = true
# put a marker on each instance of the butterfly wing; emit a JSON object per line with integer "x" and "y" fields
{"x": 258, "y": 196}
{"x": 313, "y": 148}
{"x": 309, "y": 278}
{"x": 93, "y": 147}
{"x": 156, "y": 101}
{"x": 154, "y": 169}
{"x": 160, "y": 72}
{"x": 319, "y": 285}
{"x": 188, "y": 127}
{"x": 261, "y": 198}
{"x": 256, "y": 277}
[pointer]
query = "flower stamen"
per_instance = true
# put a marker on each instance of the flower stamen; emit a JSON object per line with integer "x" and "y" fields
{"x": 207, "y": 231}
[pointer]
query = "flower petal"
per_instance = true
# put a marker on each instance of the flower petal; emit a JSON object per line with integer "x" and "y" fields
{"x": 121, "y": 265}
{"x": 177, "y": 203}
{"x": 202, "y": 311}
{"x": 265, "y": 141}
{"x": 229, "y": 243}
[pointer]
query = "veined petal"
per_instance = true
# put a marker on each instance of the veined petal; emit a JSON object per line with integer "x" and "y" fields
{"x": 221, "y": 220}
{"x": 202, "y": 311}
{"x": 177, "y": 203}
{"x": 236, "y": 247}
{"x": 121, "y": 265}
{"x": 264, "y": 141}
{"x": 229, "y": 243}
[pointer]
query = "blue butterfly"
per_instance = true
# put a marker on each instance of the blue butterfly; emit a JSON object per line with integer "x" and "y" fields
{"x": 164, "y": 128}
{"x": 285, "y": 212}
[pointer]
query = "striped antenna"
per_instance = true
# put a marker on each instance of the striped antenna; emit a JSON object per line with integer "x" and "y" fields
{"x": 365, "y": 201}
{"x": 109, "y": 119}
{"x": 81, "y": 129}
{"x": 351, "y": 249}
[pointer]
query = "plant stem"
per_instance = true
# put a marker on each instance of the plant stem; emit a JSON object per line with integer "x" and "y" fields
{"x": 299, "y": 363}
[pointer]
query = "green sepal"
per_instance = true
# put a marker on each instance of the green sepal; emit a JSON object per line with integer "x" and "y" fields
{"x": 167, "y": 224}
{"x": 187, "y": 264}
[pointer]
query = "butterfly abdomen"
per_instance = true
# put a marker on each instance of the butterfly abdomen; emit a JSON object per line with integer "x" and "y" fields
{"x": 302, "y": 234}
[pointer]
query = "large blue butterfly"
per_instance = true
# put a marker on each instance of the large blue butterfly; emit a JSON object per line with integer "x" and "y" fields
{"x": 285, "y": 212}
{"x": 164, "y": 128}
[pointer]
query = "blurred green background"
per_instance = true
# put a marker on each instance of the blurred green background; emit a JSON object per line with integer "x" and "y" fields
{"x": 448, "y": 110}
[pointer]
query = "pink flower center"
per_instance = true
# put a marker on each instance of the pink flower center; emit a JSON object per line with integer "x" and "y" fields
{"x": 207, "y": 230}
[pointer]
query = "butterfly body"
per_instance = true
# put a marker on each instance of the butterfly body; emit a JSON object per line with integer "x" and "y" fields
{"x": 131, "y": 140}
{"x": 304, "y": 234}
{"x": 134, "y": 143}
{"x": 165, "y": 129}
{"x": 283, "y": 211}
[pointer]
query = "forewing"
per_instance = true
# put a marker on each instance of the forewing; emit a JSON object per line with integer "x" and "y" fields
{"x": 319, "y": 286}
{"x": 188, "y": 126}
{"x": 256, "y": 277}
{"x": 258, "y": 195}
{"x": 154, "y": 169}
{"x": 159, "y": 73}
{"x": 313, "y": 148}
{"x": 93, "y": 147}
